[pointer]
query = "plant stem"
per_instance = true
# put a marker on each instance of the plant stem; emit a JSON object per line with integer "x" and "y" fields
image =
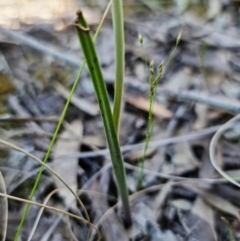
{"x": 105, "y": 109}
{"x": 118, "y": 27}
{"x": 152, "y": 94}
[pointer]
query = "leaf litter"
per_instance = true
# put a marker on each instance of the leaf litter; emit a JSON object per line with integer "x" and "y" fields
{"x": 199, "y": 89}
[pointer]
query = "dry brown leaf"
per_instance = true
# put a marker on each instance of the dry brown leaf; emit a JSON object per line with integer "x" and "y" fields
{"x": 222, "y": 204}
{"x": 181, "y": 204}
{"x": 137, "y": 155}
{"x": 94, "y": 141}
{"x": 205, "y": 212}
{"x": 182, "y": 159}
{"x": 143, "y": 104}
{"x": 68, "y": 169}
{"x": 217, "y": 202}
{"x": 198, "y": 229}
{"x": 202, "y": 116}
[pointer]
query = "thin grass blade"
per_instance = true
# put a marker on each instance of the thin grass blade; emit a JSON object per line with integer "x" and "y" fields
{"x": 118, "y": 27}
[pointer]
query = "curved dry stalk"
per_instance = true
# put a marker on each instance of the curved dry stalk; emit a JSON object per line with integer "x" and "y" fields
{"x": 213, "y": 145}
{"x": 53, "y": 209}
{"x": 86, "y": 185}
{"x": 128, "y": 166}
{"x": 45, "y": 203}
{"x": 49, "y": 232}
{"x": 25, "y": 177}
{"x": 36, "y": 170}
{"x": 5, "y": 209}
{"x": 14, "y": 147}
{"x": 40, "y": 214}
{"x": 56, "y": 222}
{"x": 140, "y": 193}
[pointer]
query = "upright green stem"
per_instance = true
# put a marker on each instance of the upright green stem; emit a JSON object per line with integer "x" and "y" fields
{"x": 118, "y": 27}
{"x": 95, "y": 71}
{"x": 152, "y": 93}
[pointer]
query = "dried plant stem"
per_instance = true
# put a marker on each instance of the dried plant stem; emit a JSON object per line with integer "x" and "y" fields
{"x": 4, "y": 211}
{"x": 213, "y": 145}
{"x": 40, "y": 214}
{"x": 14, "y": 147}
{"x": 53, "y": 209}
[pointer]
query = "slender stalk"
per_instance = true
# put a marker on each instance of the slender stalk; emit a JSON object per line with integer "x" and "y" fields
{"x": 118, "y": 27}
{"x": 152, "y": 93}
{"x": 57, "y": 131}
{"x": 105, "y": 109}
{"x": 174, "y": 49}
{"x": 144, "y": 56}
{"x": 153, "y": 82}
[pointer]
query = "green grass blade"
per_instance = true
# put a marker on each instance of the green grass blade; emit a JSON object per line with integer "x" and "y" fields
{"x": 105, "y": 109}
{"x": 117, "y": 16}
{"x": 63, "y": 114}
